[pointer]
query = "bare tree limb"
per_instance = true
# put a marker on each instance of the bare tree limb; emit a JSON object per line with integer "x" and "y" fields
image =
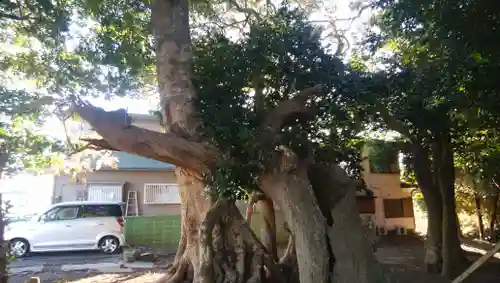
{"x": 119, "y": 135}
{"x": 391, "y": 121}
{"x": 277, "y": 116}
{"x": 245, "y": 10}
{"x": 10, "y": 16}
{"x": 97, "y": 144}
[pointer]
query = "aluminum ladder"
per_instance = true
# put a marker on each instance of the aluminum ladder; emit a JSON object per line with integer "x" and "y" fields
{"x": 132, "y": 209}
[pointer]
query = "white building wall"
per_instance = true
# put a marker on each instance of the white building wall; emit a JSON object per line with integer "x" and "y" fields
{"x": 386, "y": 186}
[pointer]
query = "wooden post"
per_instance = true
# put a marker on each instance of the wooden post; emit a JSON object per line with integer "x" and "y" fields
{"x": 477, "y": 264}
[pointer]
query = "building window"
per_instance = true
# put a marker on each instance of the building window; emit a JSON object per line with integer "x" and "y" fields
{"x": 398, "y": 208}
{"x": 161, "y": 194}
{"x": 105, "y": 192}
{"x": 366, "y": 205}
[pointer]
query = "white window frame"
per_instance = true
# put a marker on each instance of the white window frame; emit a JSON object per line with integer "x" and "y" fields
{"x": 112, "y": 191}
{"x": 161, "y": 193}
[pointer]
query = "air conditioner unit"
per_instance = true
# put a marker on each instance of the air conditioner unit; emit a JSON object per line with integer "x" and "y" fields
{"x": 381, "y": 231}
{"x": 401, "y": 231}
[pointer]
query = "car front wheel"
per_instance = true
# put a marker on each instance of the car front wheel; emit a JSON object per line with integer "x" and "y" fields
{"x": 109, "y": 244}
{"x": 19, "y": 247}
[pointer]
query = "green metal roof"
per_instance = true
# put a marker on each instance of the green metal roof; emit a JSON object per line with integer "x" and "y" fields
{"x": 126, "y": 161}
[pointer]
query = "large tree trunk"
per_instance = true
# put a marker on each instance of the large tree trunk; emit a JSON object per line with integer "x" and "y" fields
{"x": 194, "y": 207}
{"x": 335, "y": 194}
{"x": 432, "y": 198}
{"x": 288, "y": 185}
{"x": 433, "y": 246}
{"x": 479, "y": 214}
{"x": 335, "y": 188}
{"x": 355, "y": 260}
{"x": 215, "y": 239}
{"x": 454, "y": 260}
{"x": 217, "y": 244}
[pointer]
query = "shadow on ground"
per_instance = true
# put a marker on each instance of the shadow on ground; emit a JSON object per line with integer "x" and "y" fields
{"x": 402, "y": 256}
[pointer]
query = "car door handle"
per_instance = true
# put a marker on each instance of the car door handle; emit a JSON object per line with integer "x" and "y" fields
{"x": 68, "y": 225}
{"x": 100, "y": 224}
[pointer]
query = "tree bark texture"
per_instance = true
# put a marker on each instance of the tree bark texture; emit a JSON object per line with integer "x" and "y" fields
{"x": 171, "y": 31}
{"x": 288, "y": 262}
{"x": 432, "y": 198}
{"x": 289, "y": 186}
{"x": 454, "y": 260}
{"x": 194, "y": 207}
{"x": 356, "y": 262}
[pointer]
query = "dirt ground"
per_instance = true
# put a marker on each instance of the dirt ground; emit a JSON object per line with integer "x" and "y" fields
{"x": 402, "y": 257}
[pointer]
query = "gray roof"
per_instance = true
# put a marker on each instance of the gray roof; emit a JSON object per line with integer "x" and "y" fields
{"x": 126, "y": 161}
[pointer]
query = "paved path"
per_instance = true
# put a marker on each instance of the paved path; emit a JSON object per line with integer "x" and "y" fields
{"x": 61, "y": 258}
{"x": 74, "y": 261}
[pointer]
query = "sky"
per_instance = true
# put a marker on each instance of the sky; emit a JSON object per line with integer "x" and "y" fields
{"x": 30, "y": 194}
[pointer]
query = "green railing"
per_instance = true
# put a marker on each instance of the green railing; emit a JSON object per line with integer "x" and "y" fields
{"x": 162, "y": 232}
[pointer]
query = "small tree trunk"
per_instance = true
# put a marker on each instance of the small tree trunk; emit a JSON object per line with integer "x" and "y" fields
{"x": 479, "y": 215}
{"x": 266, "y": 208}
{"x": 493, "y": 217}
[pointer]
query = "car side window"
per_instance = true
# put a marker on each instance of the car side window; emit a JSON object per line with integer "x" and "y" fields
{"x": 96, "y": 210}
{"x": 62, "y": 213}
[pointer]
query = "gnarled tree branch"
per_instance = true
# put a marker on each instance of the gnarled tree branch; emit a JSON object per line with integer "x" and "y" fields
{"x": 392, "y": 123}
{"x": 119, "y": 135}
{"x": 278, "y": 115}
{"x": 97, "y": 144}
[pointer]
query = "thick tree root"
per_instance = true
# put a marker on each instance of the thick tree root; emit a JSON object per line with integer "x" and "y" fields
{"x": 228, "y": 252}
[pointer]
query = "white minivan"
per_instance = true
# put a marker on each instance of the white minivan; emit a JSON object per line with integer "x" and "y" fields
{"x": 70, "y": 226}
